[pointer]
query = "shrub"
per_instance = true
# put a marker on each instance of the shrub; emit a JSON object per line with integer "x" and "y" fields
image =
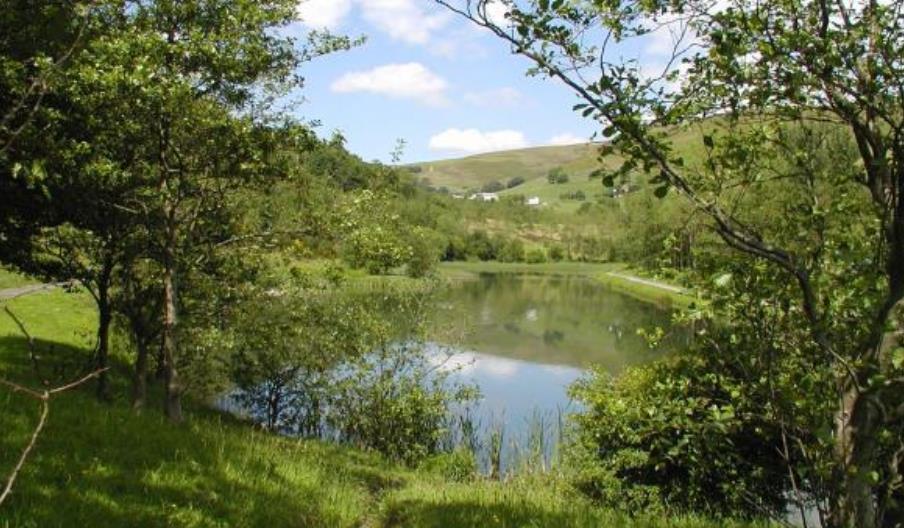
{"x": 556, "y": 253}
{"x": 493, "y": 186}
{"x": 514, "y": 182}
{"x": 512, "y": 251}
{"x": 423, "y": 255}
{"x": 536, "y": 256}
{"x": 557, "y": 176}
{"x": 482, "y": 246}
{"x": 672, "y": 433}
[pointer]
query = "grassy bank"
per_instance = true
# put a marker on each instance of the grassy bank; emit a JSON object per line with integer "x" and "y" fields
{"x": 102, "y": 465}
{"x": 9, "y": 279}
{"x": 616, "y": 276}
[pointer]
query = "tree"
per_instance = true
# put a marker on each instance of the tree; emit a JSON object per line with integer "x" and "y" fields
{"x": 767, "y": 71}
{"x": 557, "y": 175}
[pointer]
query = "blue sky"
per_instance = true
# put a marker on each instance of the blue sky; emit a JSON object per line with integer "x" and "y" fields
{"x": 445, "y": 86}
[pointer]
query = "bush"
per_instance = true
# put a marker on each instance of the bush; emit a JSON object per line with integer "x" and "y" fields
{"x": 514, "y": 182}
{"x": 536, "y": 256}
{"x": 423, "y": 255}
{"x": 480, "y": 245}
{"x": 512, "y": 251}
{"x": 671, "y": 434}
{"x": 557, "y": 176}
{"x": 492, "y": 187}
{"x": 556, "y": 253}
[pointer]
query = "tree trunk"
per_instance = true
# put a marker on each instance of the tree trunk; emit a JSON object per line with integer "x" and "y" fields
{"x": 173, "y": 399}
{"x": 140, "y": 380}
{"x": 105, "y": 317}
{"x": 857, "y": 429}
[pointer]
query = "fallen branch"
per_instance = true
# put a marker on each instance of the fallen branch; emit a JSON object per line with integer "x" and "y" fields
{"x": 44, "y": 397}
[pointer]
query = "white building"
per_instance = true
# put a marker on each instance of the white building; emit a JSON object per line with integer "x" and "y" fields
{"x": 533, "y": 201}
{"x": 485, "y": 197}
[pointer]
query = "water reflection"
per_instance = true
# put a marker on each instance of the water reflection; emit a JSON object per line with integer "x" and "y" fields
{"x": 524, "y": 339}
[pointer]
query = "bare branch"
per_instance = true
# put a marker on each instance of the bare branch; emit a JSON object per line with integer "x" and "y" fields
{"x": 44, "y": 398}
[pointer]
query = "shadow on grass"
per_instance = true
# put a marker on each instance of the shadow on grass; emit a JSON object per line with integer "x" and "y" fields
{"x": 453, "y": 514}
{"x": 102, "y": 465}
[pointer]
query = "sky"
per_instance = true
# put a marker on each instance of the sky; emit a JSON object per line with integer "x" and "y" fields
{"x": 429, "y": 77}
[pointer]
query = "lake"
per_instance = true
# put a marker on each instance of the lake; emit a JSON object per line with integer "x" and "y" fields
{"x": 523, "y": 339}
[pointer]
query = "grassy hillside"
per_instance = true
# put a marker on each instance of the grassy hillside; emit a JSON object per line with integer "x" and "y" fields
{"x": 102, "y": 465}
{"x": 533, "y": 164}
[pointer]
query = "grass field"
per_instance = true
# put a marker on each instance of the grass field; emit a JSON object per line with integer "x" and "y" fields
{"x": 9, "y": 279}
{"x": 102, "y": 465}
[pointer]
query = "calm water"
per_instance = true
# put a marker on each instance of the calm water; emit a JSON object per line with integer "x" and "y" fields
{"x": 523, "y": 339}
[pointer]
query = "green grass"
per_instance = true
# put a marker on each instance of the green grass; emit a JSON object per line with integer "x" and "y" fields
{"x": 597, "y": 271}
{"x": 10, "y": 279}
{"x": 103, "y": 465}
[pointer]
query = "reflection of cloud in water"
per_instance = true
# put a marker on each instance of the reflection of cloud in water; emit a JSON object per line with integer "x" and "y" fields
{"x": 468, "y": 363}
{"x": 561, "y": 371}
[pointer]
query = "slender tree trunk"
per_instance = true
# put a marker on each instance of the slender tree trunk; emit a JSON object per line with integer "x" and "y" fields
{"x": 173, "y": 388}
{"x": 140, "y": 379}
{"x": 105, "y": 317}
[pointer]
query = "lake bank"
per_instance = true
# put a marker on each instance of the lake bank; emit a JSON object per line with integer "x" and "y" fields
{"x": 97, "y": 465}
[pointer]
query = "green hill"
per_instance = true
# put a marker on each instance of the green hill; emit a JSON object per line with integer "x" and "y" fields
{"x": 530, "y": 164}
{"x": 534, "y": 164}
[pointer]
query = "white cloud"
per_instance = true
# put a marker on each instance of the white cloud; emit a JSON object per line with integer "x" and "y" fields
{"x": 403, "y": 20}
{"x": 505, "y": 96}
{"x": 402, "y": 81}
{"x": 472, "y": 141}
{"x": 567, "y": 139}
{"x": 496, "y": 11}
{"x": 323, "y": 14}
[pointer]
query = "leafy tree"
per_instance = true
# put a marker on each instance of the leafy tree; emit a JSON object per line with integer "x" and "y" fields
{"x": 514, "y": 182}
{"x": 511, "y": 251}
{"x": 557, "y": 175}
{"x": 768, "y": 72}
{"x": 373, "y": 238}
{"x": 492, "y": 187}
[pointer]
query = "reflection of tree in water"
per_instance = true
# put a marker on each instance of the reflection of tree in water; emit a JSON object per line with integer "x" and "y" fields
{"x": 526, "y": 317}
{"x": 553, "y": 337}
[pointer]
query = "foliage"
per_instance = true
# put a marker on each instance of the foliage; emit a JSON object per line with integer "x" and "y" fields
{"x": 373, "y": 236}
{"x": 808, "y": 97}
{"x": 493, "y": 187}
{"x": 424, "y": 256}
{"x": 514, "y": 182}
{"x": 557, "y": 176}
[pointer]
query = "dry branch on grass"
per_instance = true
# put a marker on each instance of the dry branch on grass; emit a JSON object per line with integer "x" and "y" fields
{"x": 44, "y": 397}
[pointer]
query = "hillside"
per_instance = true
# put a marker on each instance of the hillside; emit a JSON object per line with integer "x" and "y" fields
{"x": 534, "y": 164}
{"x": 530, "y": 164}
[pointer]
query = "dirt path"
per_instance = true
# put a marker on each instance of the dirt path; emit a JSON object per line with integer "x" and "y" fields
{"x": 12, "y": 293}
{"x": 646, "y": 282}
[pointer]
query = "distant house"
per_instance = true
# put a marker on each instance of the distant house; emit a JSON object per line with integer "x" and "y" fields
{"x": 533, "y": 201}
{"x": 485, "y": 197}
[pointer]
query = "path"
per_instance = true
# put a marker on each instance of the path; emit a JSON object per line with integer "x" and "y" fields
{"x": 12, "y": 293}
{"x": 646, "y": 282}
